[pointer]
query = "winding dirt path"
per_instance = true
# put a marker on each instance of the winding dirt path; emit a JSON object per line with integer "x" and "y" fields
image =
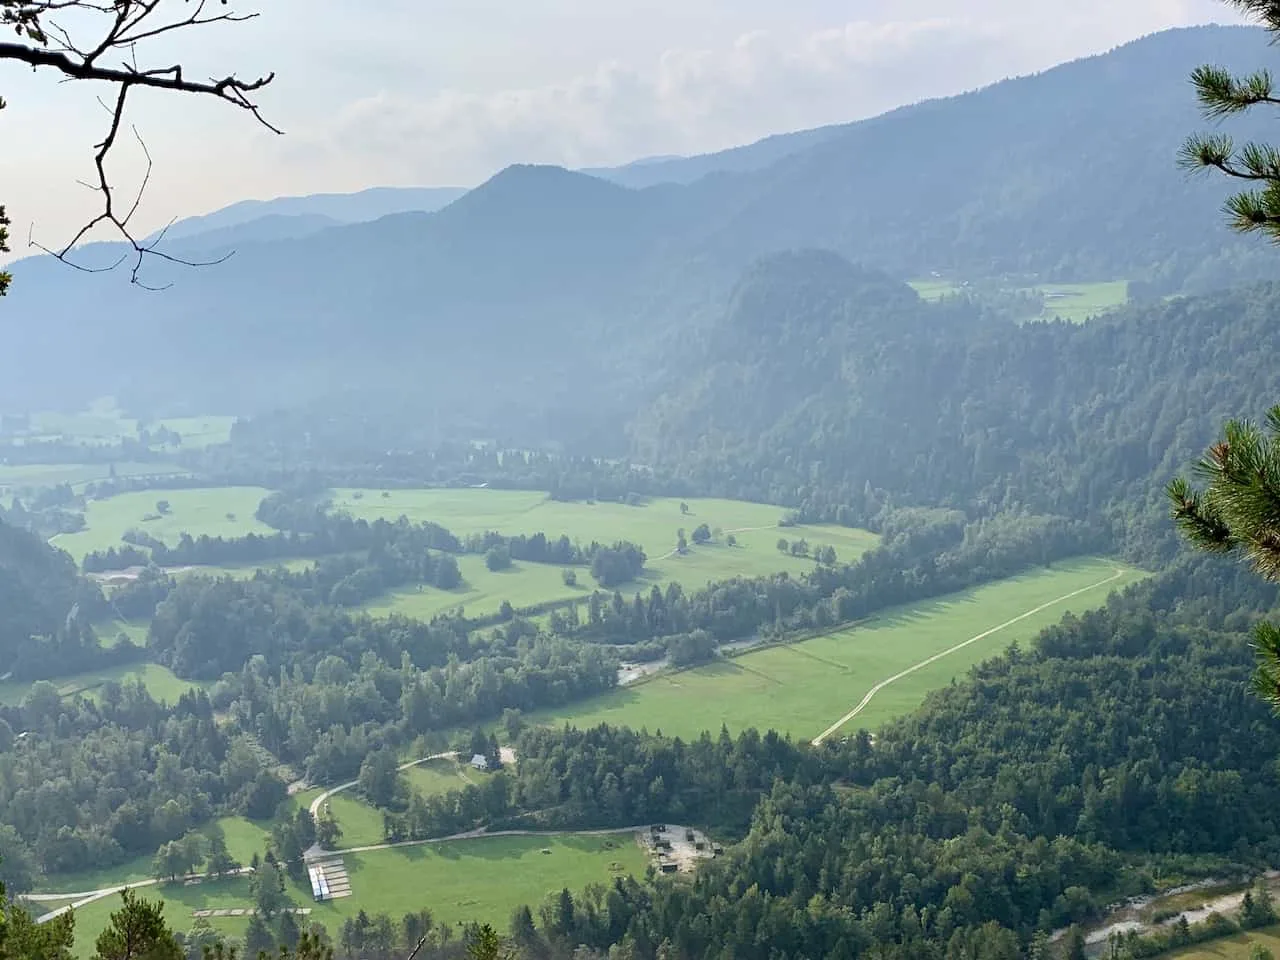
{"x": 82, "y": 898}
{"x": 318, "y": 802}
{"x": 817, "y": 741}
{"x": 85, "y": 897}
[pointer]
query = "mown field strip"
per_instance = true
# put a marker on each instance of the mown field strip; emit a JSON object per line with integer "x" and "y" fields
{"x": 798, "y": 688}
{"x": 959, "y": 646}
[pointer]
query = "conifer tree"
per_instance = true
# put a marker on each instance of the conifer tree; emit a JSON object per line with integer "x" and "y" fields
{"x": 1236, "y": 510}
{"x": 1256, "y": 208}
{"x": 137, "y": 931}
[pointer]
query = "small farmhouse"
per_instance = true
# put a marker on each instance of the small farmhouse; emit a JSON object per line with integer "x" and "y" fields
{"x": 480, "y": 761}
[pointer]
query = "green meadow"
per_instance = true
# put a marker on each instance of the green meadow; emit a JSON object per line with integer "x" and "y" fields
{"x": 110, "y": 631}
{"x": 215, "y": 511}
{"x": 653, "y": 525}
{"x": 244, "y": 838}
{"x": 802, "y": 688}
{"x": 483, "y": 880}
{"x": 439, "y": 776}
{"x": 1079, "y": 302}
{"x": 159, "y": 681}
{"x": 103, "y": 425}
{"x": 933, "y": 289}
{"x": 361, "y": 823}
{"x": 1076, "y": 302}
{"x": 242, "y": 571}
{"x": 18, "y": 477}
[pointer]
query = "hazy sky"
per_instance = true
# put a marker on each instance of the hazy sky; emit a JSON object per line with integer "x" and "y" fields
{"x": 434, "y": 92}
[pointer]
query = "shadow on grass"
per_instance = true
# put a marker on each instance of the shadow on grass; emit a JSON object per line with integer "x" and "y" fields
{"x": 484, "y": 848}
{"x": 208, "y": 894}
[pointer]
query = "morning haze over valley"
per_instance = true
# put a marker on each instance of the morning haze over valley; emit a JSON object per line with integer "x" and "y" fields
{"x": 639, "y": 482}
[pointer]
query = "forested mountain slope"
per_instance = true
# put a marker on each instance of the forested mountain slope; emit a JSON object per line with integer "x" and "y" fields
{"x": 1068, "y": 174}
{"x": 560, "y": 293}
{"x": 537, "y": 266}
{"x": 742, "y": 159}
{"x": 46, "y": 605}
{"x": 822, "y": 377}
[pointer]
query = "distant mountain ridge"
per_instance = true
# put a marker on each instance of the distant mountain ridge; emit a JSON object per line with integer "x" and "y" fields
{"x": 332, "y": 208}
{"x": 547, "y": 302}
{"x": 296, "y": 216}
{"x": 747, "y": 158}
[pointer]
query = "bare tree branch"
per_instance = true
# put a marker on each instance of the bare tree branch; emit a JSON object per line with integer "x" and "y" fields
{"x": 125, "y": 25}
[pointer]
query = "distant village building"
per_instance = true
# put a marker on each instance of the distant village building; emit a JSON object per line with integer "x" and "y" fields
{"x": 480, "y": 761}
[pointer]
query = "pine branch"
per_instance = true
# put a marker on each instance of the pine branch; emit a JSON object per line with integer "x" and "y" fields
{"x": 1198, "y": 520}
{"x": 1251, "y": 211}
{"x": 1266, "y": 676}
{"x": 1221, "y": 94}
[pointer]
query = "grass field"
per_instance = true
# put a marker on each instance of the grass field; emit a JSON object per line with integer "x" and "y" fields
{"x": 160, "y": 683}
{"x": 216, "y": 511}
{"x": 1076, "y": 302}
{"x": 109, "y": 631}
{"x": 244, "y": 839}
{"x": 179, "y": 902}
{"x": 242, "y": 571}
{"x": 439, "y": 776}
{"x": 482, "y": 880}
{"x": 802, "y": 688}
{"x": 13, "y": 478}
{"x": 361, "y": 823}
{"x": 1080, "y": 301}
{"x": 1231, "y": 948}
{"x": 933, "y": 289}
{"x": 104, "y": 425}
{"x": 653, "y": 526}
{"x": 483, "y": 590}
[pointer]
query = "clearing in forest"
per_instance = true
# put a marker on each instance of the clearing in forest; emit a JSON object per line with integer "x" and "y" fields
{"x": 215, "y": 511}
{"x": 1079, "y": 302}
{"x": 1076, "y": 302}
{"x": 653, "y": 524}
{"x": 103, "y": 424}
{"x": 803, "y": 688}
{"x": 483, "y": 880}
{"x": 160, "y": 682}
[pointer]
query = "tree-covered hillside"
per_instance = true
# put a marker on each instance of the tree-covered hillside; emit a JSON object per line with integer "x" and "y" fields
{"x": 826, "y": 386}
{"x": 46, "y": 606}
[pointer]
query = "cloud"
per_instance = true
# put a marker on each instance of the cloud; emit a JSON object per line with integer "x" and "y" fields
{"x": 688, "y": 100}
{"x": 699, "y": 99}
